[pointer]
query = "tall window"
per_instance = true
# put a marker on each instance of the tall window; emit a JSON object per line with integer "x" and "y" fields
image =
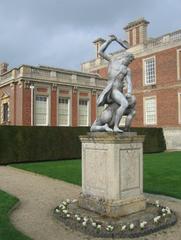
{"x": 150, "y": 112}
{"x": 149, "y": 71}
{"x": 41, "y": 110}
{"x": 5, "y": 112}
{"x": 63, "y": 111}
{"x": 83, "y": 112}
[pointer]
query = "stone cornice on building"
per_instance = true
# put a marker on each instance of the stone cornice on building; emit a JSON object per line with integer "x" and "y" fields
{"x": 52, "y": 75}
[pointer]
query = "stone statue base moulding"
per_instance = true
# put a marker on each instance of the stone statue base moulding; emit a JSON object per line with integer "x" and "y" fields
{"x": 112, "y": 173}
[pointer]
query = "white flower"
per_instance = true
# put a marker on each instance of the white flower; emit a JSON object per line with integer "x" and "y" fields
{"x": 163, "y": 210}
{"x": 156, "y": 219}
{"x": 65, "y": 211}
{"x": 98, "y": 226}
{"x": 74, "y": 200}
{"x": 123, "y": 228}
{"x": 94, "y": 224}
{"x": 78, "y": 219}
{"x": 63, "y": 207}
{"x": 142, "y": 224}
{"x": 109, "y": 228}
{"x": 164, "y": 214}
{"x": 64, "y": 203}
{"x": 84, "y": 224}
{"x": 76, "y": 216}
{"x": 68, "y": 215}
{"x": 68, "y": 200}
{"x": 57, "y": 210}
{"x": 168, "y": 210}
{"x": 85, "y": 219}
{"x": 131, "y": 226}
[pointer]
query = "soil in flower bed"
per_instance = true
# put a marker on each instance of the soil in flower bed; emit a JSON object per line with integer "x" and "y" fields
{"x": 95, "y": 225}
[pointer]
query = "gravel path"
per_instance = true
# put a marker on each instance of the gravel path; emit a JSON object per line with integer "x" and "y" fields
{"x": 39, "y": 195}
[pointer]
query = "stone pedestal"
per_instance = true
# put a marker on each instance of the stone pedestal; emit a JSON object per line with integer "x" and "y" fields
{"x": 112, "y": 173}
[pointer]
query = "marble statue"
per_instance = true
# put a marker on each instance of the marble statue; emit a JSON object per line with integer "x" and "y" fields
{"x": 117, "y": 102}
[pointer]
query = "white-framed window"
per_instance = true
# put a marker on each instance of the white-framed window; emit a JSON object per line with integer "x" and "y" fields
{"x": 179, "y": 108}
{"x": 149, "y": 69}
{"x": 83, "y": 112}
{"x": 41, "y": 110}
{"x": 150, "y": 111}
{"x": 64, "y": 111}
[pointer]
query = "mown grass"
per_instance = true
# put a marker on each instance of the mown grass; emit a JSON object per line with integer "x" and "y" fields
{"x": 162, "y": 172}
{"x": 7, "y": 230}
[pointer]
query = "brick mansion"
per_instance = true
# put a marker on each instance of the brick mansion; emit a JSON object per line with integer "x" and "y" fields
{"x": 43, "y": 95}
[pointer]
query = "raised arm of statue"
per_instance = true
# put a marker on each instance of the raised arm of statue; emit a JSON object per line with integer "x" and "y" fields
{"x": 103, "y": 49}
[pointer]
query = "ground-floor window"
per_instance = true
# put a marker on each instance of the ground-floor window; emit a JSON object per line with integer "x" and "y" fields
{"x": 150, "y": 111}
{"x": 41, "y": 110}
{"x": 83, "y": 112}
{"x": 5, "y": 112}
{"x": 63, "y": 111}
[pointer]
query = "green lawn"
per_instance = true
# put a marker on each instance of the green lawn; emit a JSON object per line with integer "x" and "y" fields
{"x": 7, "y": 230}
{"x": 162, "y": 172}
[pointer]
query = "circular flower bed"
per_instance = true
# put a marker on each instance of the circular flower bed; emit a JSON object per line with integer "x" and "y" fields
{"x": 154, "y": 218}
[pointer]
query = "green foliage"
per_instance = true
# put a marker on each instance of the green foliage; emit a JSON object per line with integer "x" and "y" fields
{"x": 154, "y": 139}
{"x": 7, "y": 230}
{"x": 32, "y": 144}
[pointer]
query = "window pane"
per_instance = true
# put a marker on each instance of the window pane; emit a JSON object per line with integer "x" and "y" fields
{"x": 150, "y": 111}
{"x": 149, "y": 69}
{"x": 63, "y": 111}
{"x": 41, "y": 110}
{"x": 5, "y": 112}
{"x": 83, "y": 112}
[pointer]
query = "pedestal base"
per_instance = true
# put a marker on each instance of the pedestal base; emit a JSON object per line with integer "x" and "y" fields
{"x": 112, "y": 173}
{"x": 114, "y": 208}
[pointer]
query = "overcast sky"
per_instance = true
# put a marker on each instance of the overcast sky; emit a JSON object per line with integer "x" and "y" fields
{"x": 60, "y": 32}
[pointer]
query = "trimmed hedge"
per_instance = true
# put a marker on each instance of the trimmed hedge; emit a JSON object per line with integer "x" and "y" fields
{"x": 31, "y": 144}
{"x": 154, "y": 139}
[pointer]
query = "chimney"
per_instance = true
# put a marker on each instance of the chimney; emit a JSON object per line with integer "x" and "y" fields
{"x": 98, "y": 42}
{"x": 137, "y": 32}
{"x": 3, "y": 67}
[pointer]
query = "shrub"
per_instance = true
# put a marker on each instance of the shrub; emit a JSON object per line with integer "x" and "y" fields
{"x": 31, "y": 144}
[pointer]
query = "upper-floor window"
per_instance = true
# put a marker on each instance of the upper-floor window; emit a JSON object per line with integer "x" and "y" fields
{"x": 83, "y": 112}
{"x": 150, "y": 111}
{"x": 149, "y": 65}
{"x": 64, "y": 111}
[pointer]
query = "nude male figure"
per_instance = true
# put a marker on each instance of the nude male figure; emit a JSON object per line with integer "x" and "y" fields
{"x": 112, "y": 95}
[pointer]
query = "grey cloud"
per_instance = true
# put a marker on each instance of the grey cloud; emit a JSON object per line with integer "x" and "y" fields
{"x": 60, "y": 32}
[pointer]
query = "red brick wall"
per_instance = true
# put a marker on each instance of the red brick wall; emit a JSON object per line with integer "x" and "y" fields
{"x": 74, "y": 108}
{"x": 102, "y": 72}
{"x": 26, "y": 107}
{"x": 93, "y": 107}
{"x": 167, "y": 96}
{"x": 19, "y": 104}
{"x": 53, "y": 107}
